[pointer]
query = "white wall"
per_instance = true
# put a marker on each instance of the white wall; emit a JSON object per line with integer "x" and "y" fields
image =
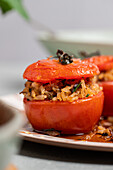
{"x": 18, "y": 39}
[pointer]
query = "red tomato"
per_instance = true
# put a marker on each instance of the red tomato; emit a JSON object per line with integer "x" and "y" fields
{"x": 108, "y": 100}
{"x": 70, "y": 118}
{"x": 103, "y": 62}
{"x": 47, "y": 70}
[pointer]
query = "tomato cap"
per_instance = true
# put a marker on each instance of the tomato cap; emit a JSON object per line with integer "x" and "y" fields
{"x": 103, "y": 62}
{"x": 47, "y": 70}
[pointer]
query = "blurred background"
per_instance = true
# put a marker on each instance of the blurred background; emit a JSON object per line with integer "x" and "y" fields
{"x": 19, "y": 45}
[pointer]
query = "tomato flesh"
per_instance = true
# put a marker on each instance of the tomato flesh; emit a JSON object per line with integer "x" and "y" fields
{"x": 68, "y": 117}
{"x": 108, "y": 98}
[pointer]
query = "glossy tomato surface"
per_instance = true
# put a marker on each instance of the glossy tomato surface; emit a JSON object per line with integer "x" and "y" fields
{"x": 70, "y": 118}
{"x": 108, "y": 98}
{"x": 47, "y": 70}
{"x": 103, "y": 62}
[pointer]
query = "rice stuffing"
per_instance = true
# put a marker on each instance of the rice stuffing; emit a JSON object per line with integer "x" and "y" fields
{"x": 62, "y": 90}
{"x": 106, "y": 76}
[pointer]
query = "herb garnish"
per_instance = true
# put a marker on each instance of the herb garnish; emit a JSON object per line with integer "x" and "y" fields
{"x": 63, "y": 57}
{"x": 75, "y": 87}
{"x": 84, "y": 54}
{"x": 87, "y": 95}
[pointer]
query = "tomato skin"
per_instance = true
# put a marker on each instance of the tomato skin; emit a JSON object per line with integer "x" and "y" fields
{"x": 70, "y": 118}
{"x": 47, "y": 70}
{"x": 104, "y": 63}
{"x": 108, "y": 100}
{"x": 106, "y": 66}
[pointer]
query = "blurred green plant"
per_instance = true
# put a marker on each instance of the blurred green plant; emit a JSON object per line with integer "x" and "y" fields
{"x": 8, "y": 5}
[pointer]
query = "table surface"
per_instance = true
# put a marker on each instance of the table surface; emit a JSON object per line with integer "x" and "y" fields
{"x": 34, "y": 156}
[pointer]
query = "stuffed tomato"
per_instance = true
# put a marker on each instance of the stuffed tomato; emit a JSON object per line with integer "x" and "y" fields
{"x": 105, "y": 79}
{"x": 62, "y": 94}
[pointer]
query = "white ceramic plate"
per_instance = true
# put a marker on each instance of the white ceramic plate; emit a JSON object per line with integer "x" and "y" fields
{"x": 27, "y": 132}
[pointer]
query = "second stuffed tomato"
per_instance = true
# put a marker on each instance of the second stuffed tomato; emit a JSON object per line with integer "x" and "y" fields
{"x": 105, "y": 79}
{"x": 63, "y": 95}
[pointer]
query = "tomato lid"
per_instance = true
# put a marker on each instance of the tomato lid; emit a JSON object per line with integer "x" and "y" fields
{"x": 103, "y": 62}
{"x": 47, "y": 70}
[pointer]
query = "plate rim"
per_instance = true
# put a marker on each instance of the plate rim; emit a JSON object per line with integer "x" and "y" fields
{"x": 67, "y": 143}
{"x": 50, "y": 140}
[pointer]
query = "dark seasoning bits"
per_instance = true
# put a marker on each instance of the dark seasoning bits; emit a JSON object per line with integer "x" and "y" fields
{"x": 63, "y": 57}
{"x": 75, "y": 87}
